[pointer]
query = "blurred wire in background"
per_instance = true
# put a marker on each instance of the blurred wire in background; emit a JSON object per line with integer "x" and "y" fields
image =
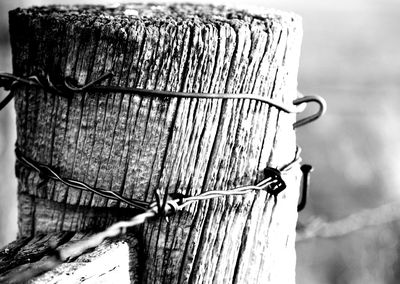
{"x": 350, "y": 56}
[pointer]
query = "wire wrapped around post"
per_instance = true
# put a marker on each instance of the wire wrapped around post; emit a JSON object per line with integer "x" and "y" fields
{"x": 273, "y": 184}
{"x": 67, "y": 89}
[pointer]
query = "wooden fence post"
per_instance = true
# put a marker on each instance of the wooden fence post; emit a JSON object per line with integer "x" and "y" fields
{"x": 133, "y": 144}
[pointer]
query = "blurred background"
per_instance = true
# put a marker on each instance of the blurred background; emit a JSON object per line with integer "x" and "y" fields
{"x": 351, "y": 57}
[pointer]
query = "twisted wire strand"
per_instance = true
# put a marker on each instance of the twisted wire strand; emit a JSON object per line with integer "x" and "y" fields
{"x": 47, "y": 172}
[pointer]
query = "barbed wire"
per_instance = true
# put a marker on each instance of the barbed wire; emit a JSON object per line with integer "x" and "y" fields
{"x": 317, "y": 227}
{"x": 273, "y": 184}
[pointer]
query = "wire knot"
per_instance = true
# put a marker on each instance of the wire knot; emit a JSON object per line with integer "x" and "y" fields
{"x": 169, "y": 206}
{"x": 276, "y": 184}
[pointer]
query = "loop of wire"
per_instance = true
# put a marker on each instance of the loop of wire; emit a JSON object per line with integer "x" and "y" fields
{"x": 67, "y": 88}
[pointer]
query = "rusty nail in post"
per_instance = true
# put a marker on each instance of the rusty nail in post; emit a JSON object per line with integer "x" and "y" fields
{"x": 306, "y": 170}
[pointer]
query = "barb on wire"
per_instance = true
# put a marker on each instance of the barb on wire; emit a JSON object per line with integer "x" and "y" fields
{"x": 67, "y": 88}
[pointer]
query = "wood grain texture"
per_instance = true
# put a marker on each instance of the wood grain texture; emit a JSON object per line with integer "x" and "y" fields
{"x": 111, "y": 261}
{"x": 134, "y": 144}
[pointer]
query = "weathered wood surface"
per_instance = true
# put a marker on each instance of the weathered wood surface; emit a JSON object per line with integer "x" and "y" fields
{"x": 134, "y": 144}
{"x": 110, "y": 262}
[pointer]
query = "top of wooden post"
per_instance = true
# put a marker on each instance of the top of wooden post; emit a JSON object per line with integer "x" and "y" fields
{"x": 173, "y": 13}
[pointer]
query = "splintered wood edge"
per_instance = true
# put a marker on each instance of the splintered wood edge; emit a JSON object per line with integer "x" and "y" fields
{"x": 113, "y": 260}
